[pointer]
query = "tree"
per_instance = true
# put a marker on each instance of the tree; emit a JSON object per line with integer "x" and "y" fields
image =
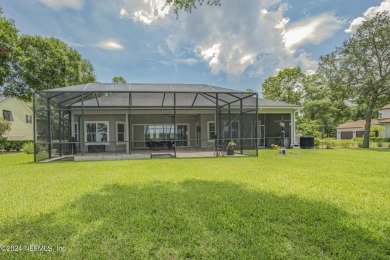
{"x": 117, "y": 80}
{"x": 5, "y": 126}
{"x": 320, "y": 105}
{"x": 8, "y": 43}
{"x": 360, "y": 70}
{"x": 189, "y": 5}
{"x": 287, "y": 86}
{"x": 46, "y": 63}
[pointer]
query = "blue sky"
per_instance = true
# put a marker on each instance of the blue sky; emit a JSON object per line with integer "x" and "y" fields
{"x": 237, "y": 45}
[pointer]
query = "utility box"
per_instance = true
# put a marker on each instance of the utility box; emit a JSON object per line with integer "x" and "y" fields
{"x": 307, "y": 141}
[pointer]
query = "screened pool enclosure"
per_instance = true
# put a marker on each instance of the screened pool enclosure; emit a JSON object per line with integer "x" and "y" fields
{"x": 99, "y": 121}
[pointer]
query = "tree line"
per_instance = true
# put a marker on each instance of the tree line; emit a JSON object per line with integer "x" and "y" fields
{"x": 351, "y": 83}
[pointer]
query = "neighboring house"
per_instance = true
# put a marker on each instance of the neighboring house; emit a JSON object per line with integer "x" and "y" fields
{"x": 384, "y": 119}
{"x": 350, "y": 130}
{"x": 143, "y": 118}
{"x": 20, "y": 116}
{"x": 354, "y": 129}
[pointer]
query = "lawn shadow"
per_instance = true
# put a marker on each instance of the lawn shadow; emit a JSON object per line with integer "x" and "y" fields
{"x": 192, "y": 219}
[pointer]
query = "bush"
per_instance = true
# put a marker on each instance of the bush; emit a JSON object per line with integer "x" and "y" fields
{"x": 28, "y": 147}
{"x": 317, "y": 142}
{"x": 380, "y": 141}
{"x": 7, "y": 145}
{"x": 329, "y": 143}
{"x": 346, "y": 143}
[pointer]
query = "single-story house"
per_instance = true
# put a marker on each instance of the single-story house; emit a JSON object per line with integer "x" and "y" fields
{"x": 20, "y": 115}
{"x": 384, "y": 119}
{"x": 123, "y": 121}
{"x": 350, "y": 130}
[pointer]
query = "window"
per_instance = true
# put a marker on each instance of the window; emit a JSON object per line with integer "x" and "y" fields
{"x": 231, "y": 130}
{"x": 8, "y": 115}
{"x": 165, "y": 134}
{"x": 96, "y": 132}
{"x": 211, "y": 130}
{"x": 120, "y": 131}
{"x": 380, "y": 115}
{"x": 28, "y": 119}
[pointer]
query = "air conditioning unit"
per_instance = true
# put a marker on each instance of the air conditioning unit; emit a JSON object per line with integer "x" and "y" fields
{"x": 307, "y": 141}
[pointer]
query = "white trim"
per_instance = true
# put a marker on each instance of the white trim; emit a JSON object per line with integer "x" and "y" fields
{"x": 124, "y": 133}
{"x": 97, "y": 122}
{"x": 208, "y": 131}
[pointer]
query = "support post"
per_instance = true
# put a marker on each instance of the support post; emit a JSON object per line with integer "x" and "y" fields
{"x": 82, "y": 130}
{"x": 257, "y": 126}
{"x": 61, "y": 129}
{"x": 216, "y": 125}
{"x": 241, "y": 132}
{"x": 129, "y": 133}
{"x": 174, "y": 121}
{"x": 34, "y": 129}
{"x": 49, "y": 139}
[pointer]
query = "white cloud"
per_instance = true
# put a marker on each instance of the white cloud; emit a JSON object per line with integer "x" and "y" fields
{"x": 145, "y": 11}
{"x": 58, "y": 4}
{"x": 371, "y": 12}
{"x": 251, "y": 37}
{"x": 110, "y": 44}
{"x": 124, "y": 13}
{"x": 311, "y": 30}
{"x": 172, "y": 42}
{"x": 188, "y": 61}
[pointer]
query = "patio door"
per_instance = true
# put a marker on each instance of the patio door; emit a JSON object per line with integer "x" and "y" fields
{"x": 261, "y": 136}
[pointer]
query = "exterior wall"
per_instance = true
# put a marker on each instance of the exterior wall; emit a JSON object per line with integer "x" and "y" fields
{"x": 353, "y": 130}
{"x": 385, "y": 113}
{"x": 20, "y": 130}
{"x": 139, "y": 118}
{"x": 386, "y": 132}
{"x": 195, "y": 119}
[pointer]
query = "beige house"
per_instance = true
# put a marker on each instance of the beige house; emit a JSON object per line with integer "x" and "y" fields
{"x": 384, "y": 119}
{"x": 20, "y": 115}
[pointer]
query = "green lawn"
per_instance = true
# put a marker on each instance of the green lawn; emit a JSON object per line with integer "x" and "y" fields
{"x": 312, "y": 204}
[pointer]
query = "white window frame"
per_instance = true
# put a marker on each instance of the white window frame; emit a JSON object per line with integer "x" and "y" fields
{"x": 209, "y": 138}
{"x": 116, "y": 132}
{"x": 97, "y": 122}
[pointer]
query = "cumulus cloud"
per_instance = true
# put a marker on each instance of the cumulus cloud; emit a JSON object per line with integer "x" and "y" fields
{"x": 251, "y": 37}
{"x": 145, "y": 11}
{"x": 110, "y": 44}
{"x": 58, "y": 4}
{"x": 371, "y": 12}
{"x": 311, "y": 30}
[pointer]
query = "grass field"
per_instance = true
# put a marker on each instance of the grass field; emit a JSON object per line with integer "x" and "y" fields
{"x": 312, "y": 204}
